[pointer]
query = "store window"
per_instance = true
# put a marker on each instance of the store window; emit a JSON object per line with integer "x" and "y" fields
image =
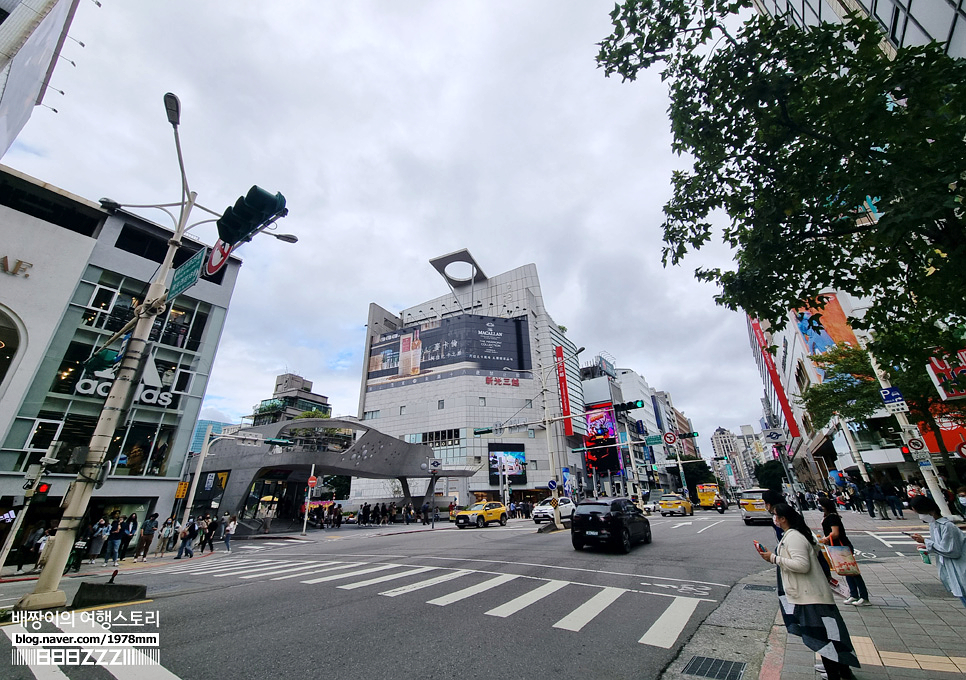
{"x": 439, "y": 405}
{"x": 482, "y": 401}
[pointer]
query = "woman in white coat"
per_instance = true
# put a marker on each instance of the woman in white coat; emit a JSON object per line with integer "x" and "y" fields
{"x": 947, "y": 542}
{"x": 806, "y": 602}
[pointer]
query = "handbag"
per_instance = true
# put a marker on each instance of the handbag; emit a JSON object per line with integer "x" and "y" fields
{"x": 842, "y": 561}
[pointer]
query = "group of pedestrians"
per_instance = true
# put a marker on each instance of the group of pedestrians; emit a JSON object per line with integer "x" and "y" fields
{"x": 521, "y": 510}
{"x": 376, "y": 514}
{"x": 806, "y": 602}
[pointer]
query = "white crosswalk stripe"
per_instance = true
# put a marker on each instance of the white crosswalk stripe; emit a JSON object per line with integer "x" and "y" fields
{"x": 891, "y": 538}
{"x": 525, "y": 600}
{"x": 344, "y": 565}
{"x": 665, "y": 631}
{"x": 473, "y": 590}
{"x": 586, "y": 612}
{"x": 389, "y": 577}
{"x": 300, "y": 568}
{"x": 336, "y": 577}
{"x": 403, "y": 590}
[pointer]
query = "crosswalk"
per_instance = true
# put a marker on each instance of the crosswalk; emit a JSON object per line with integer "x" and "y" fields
{"x": 357, "y": 574}
{"x": 891, "y": 538}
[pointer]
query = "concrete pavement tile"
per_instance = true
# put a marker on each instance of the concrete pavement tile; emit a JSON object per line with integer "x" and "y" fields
{"x": 944, "y": 667}
{"x": 793, "y": 659}
{"x": 925, "y": 651}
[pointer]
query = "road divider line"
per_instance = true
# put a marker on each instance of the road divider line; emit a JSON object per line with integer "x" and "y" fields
{"x": 395, "y": 592}
{"x": 360, "y": 572}
{"x": 344, "y": 565}
{"x": 665, "y": 631}
{"x": 473, "y": 590}
{"x": 586, "y": 612}
{"x": 388, "y": 577}
{"x": 525, "y": 600}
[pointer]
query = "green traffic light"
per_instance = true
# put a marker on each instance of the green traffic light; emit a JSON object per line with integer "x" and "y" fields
{"x": 249, "y": 214}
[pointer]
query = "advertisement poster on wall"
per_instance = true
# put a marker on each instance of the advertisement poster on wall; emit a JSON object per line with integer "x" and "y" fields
{"x": 446, "y": 347}
{"x": 513, "y": 458}
{"x": 829, "y": 329}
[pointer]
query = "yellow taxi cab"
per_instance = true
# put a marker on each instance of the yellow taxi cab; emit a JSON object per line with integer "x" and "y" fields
{"x": 481, "y": 514}
{"x": 752, "y": 506}
{"x": 672, "y": 503}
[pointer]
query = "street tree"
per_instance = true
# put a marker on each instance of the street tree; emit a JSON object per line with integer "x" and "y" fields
{"x": 848, "y": 389}
{"x": 770, "y": 475}
{"x": 837, "y": 164}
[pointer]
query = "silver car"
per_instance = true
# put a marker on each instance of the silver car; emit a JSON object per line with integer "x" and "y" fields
{"x": 544, "y": 511}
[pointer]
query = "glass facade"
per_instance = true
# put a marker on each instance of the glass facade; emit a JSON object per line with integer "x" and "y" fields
{"x": 905, "y": 22}
{"x": 65, "y": 401}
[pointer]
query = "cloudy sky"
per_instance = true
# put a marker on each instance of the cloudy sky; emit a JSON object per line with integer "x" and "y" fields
{"x": 398, "y": 131}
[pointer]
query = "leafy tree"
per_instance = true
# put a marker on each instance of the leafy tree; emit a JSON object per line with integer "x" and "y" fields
{"x": 770, "y": 475}
{"x": 838, "y": 165}
{"x": 849, "y": 388}
{"x": 339, "y": 484}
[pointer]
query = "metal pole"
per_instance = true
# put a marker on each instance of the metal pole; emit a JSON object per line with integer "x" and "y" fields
{"x": 308, "y": 495}
{"x": 854, "y": 450}
{"x": 432, "y": 481}
{"x": 46, "y": 593}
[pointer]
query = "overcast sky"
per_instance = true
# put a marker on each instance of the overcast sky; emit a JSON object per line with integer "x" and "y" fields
{"x": 398, "y": 131}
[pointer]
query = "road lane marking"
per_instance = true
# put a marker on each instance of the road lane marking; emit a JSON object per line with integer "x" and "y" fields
{"x": 344, "y": 565}
{"x": 389, "y": 577}
{"x": 590, "y": 571}
{"x": 264, "y": 567}
{"x": 586, "y": 612}
{"x": 895, "y": 538}
{"x": 44, "y": 672}
{"x": 665, "y": 631}
{"x": 473, "y": 590}
{"x": 300, "y": 568}
{"x": 427, "y": 583}
{"x": 710, "y": 525}
{"x": 682, "y": 524}
{"x": 525, "y": 600}
{"x": 205, "y": 568}
{"x": 335, "y": 577}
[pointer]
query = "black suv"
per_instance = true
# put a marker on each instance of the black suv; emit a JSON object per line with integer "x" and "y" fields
{"x": 614, "y": 521}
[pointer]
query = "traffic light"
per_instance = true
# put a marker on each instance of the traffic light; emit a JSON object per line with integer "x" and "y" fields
{"x": 249, "y": 213}
{"x": 40, "y": 493}
{"x": 629, "y": 405}
{"x": 101, "y": 360}
{"x": 905, "y": 450}
{"x": 687, "y": 435}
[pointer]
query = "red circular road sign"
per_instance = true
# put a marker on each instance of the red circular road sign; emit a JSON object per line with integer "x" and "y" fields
{"x": 313, "y": 481}
{"x": 670, "y": 437}
{"x": 917, "y": 444}
{"x": 961, "y": 450}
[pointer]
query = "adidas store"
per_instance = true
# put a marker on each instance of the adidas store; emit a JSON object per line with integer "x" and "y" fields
{"x": 82, "y": 273}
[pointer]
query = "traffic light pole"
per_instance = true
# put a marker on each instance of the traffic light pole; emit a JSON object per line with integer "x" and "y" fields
{"x": 21, "y": 516}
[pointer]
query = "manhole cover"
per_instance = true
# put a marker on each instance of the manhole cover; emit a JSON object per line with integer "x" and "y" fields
{"x": 706, "y": 667}
{"x": 752, "y": 586}
{"x": 930, "y": 590}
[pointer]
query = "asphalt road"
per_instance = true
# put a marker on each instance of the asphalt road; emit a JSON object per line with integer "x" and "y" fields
{"x": 366, "y": 604}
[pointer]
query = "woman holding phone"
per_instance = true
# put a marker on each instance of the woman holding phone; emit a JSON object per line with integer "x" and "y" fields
{"x": 835, "y": 534}
{"x": 806, "y": 602}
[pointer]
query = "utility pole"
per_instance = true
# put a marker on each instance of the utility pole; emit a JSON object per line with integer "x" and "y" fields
{"x": 46, "y": 593}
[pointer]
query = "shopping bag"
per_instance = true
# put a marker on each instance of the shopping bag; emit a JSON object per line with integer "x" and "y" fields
{"x": 842, "y": 561}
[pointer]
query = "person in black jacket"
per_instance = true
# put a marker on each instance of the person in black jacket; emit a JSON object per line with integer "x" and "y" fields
{"x": 129, "y": 530}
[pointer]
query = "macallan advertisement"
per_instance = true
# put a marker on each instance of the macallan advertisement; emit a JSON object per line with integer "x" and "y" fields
{"x": 441, "y": 347}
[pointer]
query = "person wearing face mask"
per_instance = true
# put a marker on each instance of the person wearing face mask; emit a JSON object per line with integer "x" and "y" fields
{"x": 961, "y": 501}
{"x": 947, "y": 542}
{"x": 805, "y": 601}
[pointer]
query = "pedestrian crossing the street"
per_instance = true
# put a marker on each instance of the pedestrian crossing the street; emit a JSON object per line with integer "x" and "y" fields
{"x": 587, "y": 601}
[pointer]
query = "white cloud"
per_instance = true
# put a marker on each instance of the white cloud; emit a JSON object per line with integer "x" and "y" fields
{"x": 398, "y": 132}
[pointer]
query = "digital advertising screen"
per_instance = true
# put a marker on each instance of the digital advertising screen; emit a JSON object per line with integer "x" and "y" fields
{"x": 513, "y": 457}
{"x": 448, "y": 347}
{"x": 602, "y": 453}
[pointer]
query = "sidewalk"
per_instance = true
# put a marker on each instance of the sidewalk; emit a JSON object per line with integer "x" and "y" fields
{"x": 913, "y": 629}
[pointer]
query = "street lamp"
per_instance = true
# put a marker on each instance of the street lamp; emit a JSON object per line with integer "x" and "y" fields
{"x": 46, "y": 593}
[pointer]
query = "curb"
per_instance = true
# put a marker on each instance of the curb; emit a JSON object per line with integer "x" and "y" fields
{"x": 773, "y": 663}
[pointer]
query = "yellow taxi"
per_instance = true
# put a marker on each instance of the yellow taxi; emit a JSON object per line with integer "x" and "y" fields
{"x": 672, "y": 503}
{"x": 481, "y": 514}
{"x": 752, "y": 506}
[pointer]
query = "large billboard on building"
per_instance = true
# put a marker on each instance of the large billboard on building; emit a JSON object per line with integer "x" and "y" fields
{"x": 512, "y": 457}
{"x": 829, "y": 329}
{"x": 602, "y": 452}
{"x": 444, "y": 348}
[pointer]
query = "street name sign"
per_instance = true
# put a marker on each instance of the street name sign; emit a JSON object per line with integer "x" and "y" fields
{"x": 653, "y": 440}
{"x": 187, "y": 274}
